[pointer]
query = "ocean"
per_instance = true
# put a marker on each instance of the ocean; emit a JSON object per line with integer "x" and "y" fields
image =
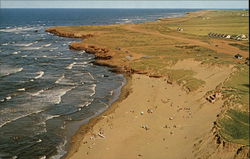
{"x": 46, "y": 90}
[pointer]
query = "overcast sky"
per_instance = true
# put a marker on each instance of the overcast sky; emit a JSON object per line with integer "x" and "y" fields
{"x": 123, "y": 4}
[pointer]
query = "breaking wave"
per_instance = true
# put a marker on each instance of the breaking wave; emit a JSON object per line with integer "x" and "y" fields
{"x": 40, "y": 74}
{"x": 6, "y": 70}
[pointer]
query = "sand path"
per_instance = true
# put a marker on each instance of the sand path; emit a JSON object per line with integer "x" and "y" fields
{"x": 156, "y": 121}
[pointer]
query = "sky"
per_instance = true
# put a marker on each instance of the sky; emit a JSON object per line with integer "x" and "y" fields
{"x": 232, "y": 4}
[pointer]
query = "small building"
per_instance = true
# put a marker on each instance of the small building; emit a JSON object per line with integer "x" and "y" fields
{"x": 238, "y": 56}
{"x": 228, "y": 36}
{"x": 247, "y": 61}
{"x": 179, "y": 29}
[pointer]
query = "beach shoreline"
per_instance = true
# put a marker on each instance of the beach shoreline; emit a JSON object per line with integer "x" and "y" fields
{"x": 80, "y": 134}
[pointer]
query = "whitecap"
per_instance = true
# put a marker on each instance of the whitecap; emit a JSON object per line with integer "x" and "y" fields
{"x": 5, "y": 44}
{"x": 40, "y": 74}
{"x": 16, "y": 52}
{"x": 60, "y": 150}
{"x": 51, "y": 117}
{"x": 8, "y": 98}
{"x": 40, "y": 140}
{"x": 25, "y": 44}
{"x": 14, "y": 117}
{"x": 91, "y": 75}
{"x": 60, "y": 79}
{"x": 43, "y": 157}
{"x": 46, "y": 45}
{"x": 32, "y": 48}
{"x": 70, "y": 66}
{"x": 17, "y": 29}
{"x": 92, "y": 87}
{"x": 21, "y": 89}
{"x": 86, "y": 103}
{"x": 6, "y": 70}
{"x": 54, "y": 95}
{"x": 111, "y": 93}
{"x": 37, "y": 93}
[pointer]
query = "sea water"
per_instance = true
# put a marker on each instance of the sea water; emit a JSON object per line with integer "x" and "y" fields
{"x": 46, "y": 90}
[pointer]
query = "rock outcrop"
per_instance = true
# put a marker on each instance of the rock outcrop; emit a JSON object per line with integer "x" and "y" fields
{"x": 68, "y": 34}
{"x": 99, "y": 52}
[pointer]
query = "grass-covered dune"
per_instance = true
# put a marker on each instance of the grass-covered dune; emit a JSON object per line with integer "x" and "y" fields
{"x": 153, "y": 48}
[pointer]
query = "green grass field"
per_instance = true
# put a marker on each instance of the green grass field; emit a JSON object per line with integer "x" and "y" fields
{"x": 234, "y": 125}
{"x": 224, "y": 22}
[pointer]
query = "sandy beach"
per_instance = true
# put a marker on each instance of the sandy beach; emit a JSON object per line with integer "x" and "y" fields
{"x": 156, "y": 120}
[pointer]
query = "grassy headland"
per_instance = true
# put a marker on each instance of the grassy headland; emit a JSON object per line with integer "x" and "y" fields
{"x": 159, "y": 49}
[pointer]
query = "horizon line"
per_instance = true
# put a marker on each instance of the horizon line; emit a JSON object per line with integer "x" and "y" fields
{"x": 124, "y": 8}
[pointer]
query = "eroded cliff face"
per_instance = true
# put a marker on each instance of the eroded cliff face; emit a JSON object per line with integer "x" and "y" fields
{"x": 213, "y": 146}
{"x": 68, "y": 34}
{"x": 103, "y": 56}
{"x": 99, "y": 52}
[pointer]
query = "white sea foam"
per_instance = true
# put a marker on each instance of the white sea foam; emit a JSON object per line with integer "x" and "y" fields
{"x": 37, "y": 93}
{"x": 111, "y": 93}
{"x": 21, "y": 89}
{"x": 40, "y": 140}
{"x": 6, "y": 70}
{"x": 54, "y": 95}
{"x": 32, "y": 48}
{"x": 26, "y": 44}
{"x": 70, "y": 66}
{"x": 16, "y": 52}
{"x": 91, "y": 75}
{"x": 46, "y": 45}
{"x": 17, "y": 29}
{"x": 92, "y": 87}
{"x": 43, "y": 157}
{"x": 51, "y": 117}
{"x": 40, "y": 74}
{"x": 5, "y": 44}
{"x": 60, "y": 79}
{"x": 14, "y": 117}
{"x": 8, "y": 98}
{"x": 64, "y": 81}
{"x": 60, "y": 150}
{"x": 86, "y": 103}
